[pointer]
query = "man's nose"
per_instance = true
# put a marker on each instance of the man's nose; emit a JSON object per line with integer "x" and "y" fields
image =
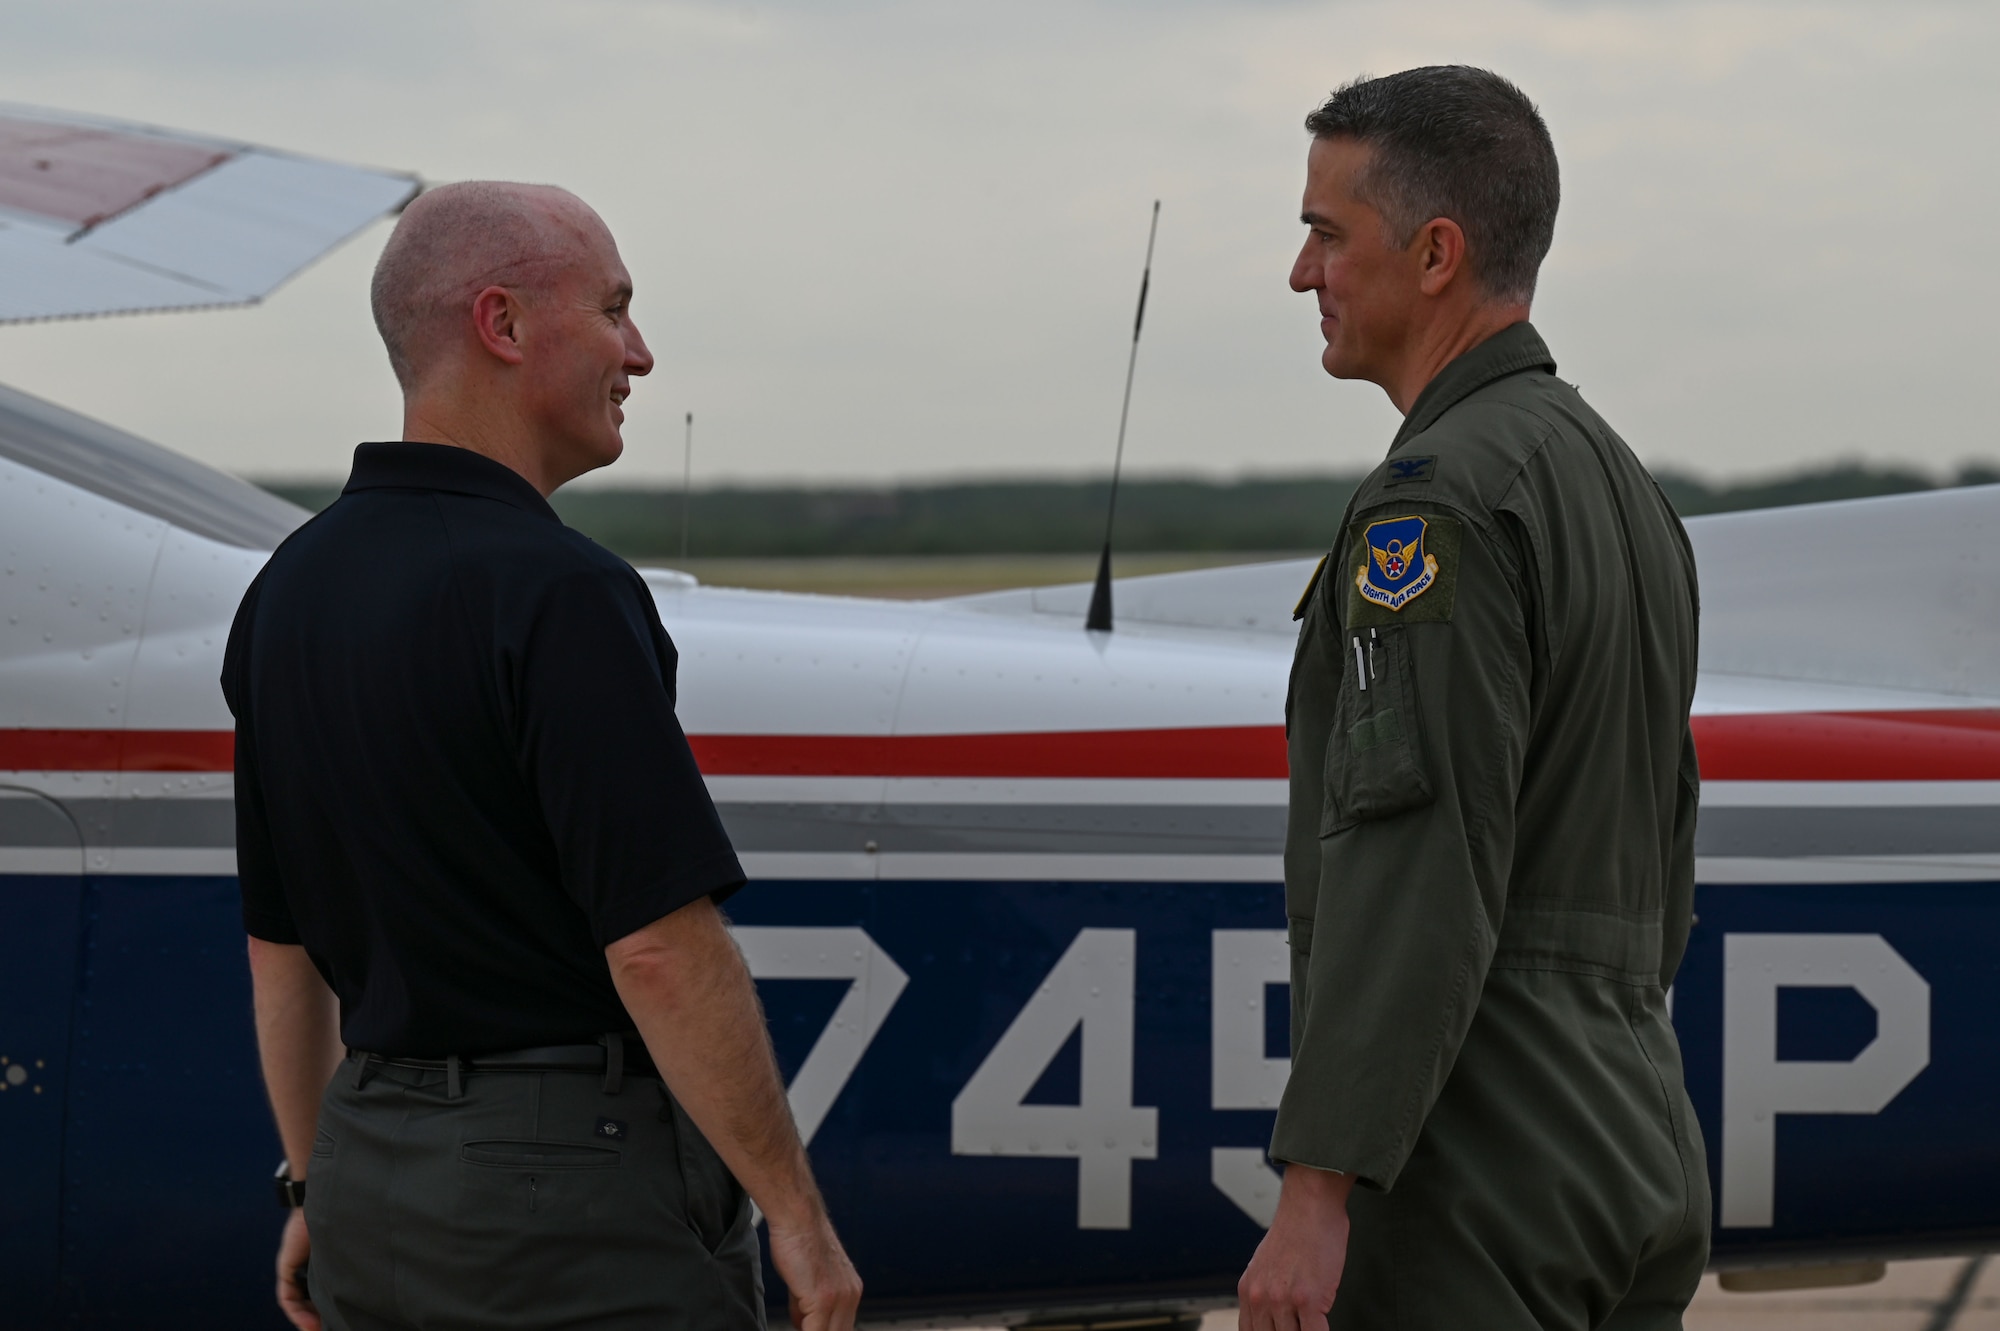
{"x": 1304, "y": 274}
{"x": 638, "y": 356}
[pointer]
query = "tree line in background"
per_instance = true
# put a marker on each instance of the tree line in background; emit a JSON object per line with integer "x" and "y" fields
{"x": 1060, "y": 517}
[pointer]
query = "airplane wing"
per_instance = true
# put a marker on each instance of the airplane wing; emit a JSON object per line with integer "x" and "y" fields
{"x": 102, "y": 217}
{"x": 1858, "y": 601}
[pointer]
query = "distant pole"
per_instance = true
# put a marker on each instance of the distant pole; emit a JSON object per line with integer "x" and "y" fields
{"x": 1099, "y": 618}
{"x": 687, "y": 475}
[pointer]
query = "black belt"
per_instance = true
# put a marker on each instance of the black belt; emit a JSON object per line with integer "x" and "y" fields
{"x": 616, "y": 1056}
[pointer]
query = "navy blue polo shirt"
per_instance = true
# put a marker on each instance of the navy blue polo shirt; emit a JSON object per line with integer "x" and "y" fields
{"x": 458, "y": 771}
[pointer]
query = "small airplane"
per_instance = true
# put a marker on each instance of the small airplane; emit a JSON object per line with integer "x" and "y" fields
{"x": 1016, "y": 910}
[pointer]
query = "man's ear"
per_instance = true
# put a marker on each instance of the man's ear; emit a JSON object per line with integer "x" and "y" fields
{"x": 1440, "y": 247}
{"x": 496, "y": 315}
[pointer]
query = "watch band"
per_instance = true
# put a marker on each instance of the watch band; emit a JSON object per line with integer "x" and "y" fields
{"x": 291, "y": 1191}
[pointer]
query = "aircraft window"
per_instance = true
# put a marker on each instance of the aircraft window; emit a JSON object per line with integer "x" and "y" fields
{"x": 128, "y": 470}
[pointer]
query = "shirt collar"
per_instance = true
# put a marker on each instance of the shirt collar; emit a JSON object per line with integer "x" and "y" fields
{"x": 404, "y": 466}
{"x": 1513, "y": 349}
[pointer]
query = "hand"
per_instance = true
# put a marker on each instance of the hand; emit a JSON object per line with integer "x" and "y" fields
{"x": 1291, "y": 1281}
{"x": 825, "y": 1288}
{"x": 293, "y": 1249}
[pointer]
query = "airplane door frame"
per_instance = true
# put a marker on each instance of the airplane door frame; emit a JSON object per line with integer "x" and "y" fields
{"x": 41, "y": 920}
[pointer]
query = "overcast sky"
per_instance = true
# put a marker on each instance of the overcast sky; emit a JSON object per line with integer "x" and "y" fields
{"x": 899, "y": 241}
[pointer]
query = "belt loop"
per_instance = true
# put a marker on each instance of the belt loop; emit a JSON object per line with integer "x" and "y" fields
{"x": 362, "y": 1070}
{"x": 453, "y": 1090}
{"x": 614, "y": 1062}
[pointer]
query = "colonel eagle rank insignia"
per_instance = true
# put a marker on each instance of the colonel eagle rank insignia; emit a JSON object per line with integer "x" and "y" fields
{"x": 1398, "y": 569}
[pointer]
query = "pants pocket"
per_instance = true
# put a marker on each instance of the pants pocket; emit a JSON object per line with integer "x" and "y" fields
{"x": 556, "y": 1180}
{"x": 1654, "y": 1034}
{"x": 324, "y": 1166}
{"x": 537, "y": 1155}
{"x": 715, "y": 1200}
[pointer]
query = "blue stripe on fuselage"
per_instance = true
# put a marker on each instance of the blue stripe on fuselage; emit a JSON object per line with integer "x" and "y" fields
{"x": 138, "y": 988}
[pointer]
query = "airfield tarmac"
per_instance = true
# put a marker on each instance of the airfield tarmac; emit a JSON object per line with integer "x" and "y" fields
{"x": 1947, "y": 1294}
{"x": 923, "y": 577}
{"x": 1950, "y": 1294}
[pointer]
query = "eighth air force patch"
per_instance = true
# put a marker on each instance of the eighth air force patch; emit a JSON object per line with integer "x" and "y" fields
{"x": 1398, "y": 569}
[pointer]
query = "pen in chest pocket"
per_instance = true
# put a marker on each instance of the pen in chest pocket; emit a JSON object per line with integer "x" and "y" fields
{"x": 1364, "y": 667}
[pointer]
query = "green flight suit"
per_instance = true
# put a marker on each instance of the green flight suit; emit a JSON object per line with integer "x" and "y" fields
{"x": 1489, "y": 869}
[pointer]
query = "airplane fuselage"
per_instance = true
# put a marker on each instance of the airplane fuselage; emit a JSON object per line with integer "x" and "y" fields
{"x": 1017, "y": 917}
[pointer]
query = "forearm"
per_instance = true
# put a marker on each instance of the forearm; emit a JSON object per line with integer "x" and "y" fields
{"x": 298, "y": 1041}
{"x": 686, "y": 986}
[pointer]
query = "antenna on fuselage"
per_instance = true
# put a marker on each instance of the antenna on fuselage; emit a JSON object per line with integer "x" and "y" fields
{"x": 687, "y": 474}
{"x": 1099, "y": 618}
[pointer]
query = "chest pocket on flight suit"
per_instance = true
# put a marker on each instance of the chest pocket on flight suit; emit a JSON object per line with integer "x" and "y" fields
{"x": 1375, "y": 753}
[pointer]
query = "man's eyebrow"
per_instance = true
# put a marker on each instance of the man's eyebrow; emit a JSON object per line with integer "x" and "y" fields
{"x": 622, "y": 293}
{"x": 1315, "y": 220}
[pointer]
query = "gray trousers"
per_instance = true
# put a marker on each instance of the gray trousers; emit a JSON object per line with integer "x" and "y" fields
{"x": 532, "y": 1199}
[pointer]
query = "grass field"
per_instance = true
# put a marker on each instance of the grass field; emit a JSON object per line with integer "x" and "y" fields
{"x": 918, "y": 577}
{"x": 974, "y": 519}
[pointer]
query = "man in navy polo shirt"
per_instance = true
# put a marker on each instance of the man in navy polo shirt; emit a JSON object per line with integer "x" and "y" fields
{"x": 476, "y": 852}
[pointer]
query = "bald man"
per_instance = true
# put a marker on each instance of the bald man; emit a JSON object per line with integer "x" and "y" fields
{"x": 477, "y": 855}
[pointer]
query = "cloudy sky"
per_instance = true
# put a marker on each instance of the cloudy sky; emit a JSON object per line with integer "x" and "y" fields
{"x": 881, "y": 240}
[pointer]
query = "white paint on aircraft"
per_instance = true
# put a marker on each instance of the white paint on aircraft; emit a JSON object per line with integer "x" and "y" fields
{"x": 1247, "y": 962}
{"x": 875, "y": 983}
{"x": 1244, "y": 1176}
{"x": 1757, "y": 1085}
{"x": 1092, "y": 986}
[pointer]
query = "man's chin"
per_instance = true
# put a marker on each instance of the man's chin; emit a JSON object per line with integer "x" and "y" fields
{"x": 599, "y": 452}
{"x": 1336, "y": 361}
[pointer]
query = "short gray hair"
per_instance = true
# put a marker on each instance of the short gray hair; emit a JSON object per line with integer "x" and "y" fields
{"x": 1460, "y": 143}
{"x": 452, "y": 243}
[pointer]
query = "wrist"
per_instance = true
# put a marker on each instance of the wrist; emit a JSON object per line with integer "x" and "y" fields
{"x": 796, "y": 1214}
{"x": 290, "y": 1188}
{"x": 1327, "y": 1187}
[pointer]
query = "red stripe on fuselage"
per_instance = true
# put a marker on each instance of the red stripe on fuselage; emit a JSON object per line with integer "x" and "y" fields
{"x": 1217, "y": 752}
{"x": 1850, "y": 746}
{"x": 1799, "y": 746}
{"x": 117, "y": 750}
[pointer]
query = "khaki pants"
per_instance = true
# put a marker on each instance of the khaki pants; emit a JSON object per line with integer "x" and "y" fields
{"x": 1559, "y": 1183}
{"x": 533, "y": 1199}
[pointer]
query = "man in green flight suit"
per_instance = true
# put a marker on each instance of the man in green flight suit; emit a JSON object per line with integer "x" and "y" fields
{"x": 1489, "y": 867}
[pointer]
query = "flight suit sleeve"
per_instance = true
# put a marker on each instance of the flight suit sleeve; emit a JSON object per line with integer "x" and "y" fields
{"x": 1426, "y": 711}
{"x": 1678, "y": 917}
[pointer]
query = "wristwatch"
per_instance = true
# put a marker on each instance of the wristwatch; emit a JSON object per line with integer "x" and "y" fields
{"x": 291, "y": 1191}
